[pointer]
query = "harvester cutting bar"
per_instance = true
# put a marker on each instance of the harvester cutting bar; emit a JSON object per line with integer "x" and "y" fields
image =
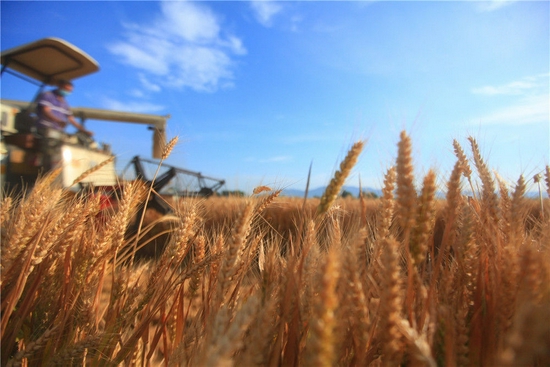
{"x": 162, "y": 180}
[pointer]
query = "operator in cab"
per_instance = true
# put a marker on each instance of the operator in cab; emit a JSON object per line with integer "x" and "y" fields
{"x": 54, "y": 112}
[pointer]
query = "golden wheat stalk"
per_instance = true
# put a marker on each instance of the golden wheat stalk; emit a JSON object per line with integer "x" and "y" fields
{"x": 165, "y": 153}
{"x": 169, "y": 147}
{"x": 199, "y": 255}
{"x": 44, "y": 184}
{"x": 517, "y": 211}
{"x": 259, "y": 189}
{"x": 267, "y": 200}
{"x": 132, "y": 197}
{"x": 95, "y": 168}
{"x": 421, "y": 349}
{"x": 5, "y": 209}
{"x": 32, "y": 348}
{"x": 391, "y": 305}
{"x": 31, "y": 214}
{"x": 386, "y": 205}
{"x": 239, "y": 234}
{"x": 227, "y": 334}
{"x": 547, "y": 179}
{"x": 489, "y": 196}
{"x": 259, "y": 335}
{"x": 187, "y": 224}
{"x": 406, "y": 192}
{"x": 355, "y": 300}
{"x": 320, "y": 348}
{"x": 453, "y": 208}
{"x": 537, "y": 179}
{"x": 424, "y": 220}
{"x": 340, "y": 176}
{"x": 464, "y": 164}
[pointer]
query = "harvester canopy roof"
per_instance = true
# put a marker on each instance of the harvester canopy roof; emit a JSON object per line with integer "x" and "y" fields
{"x": 49, "y": 60}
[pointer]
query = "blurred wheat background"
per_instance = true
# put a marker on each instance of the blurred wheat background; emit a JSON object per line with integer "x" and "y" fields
{"x": 406, "y": 279}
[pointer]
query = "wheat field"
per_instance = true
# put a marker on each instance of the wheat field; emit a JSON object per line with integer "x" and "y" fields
{"x": 408, "y": 279}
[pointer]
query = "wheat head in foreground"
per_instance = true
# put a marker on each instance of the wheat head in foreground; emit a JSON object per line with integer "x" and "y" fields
{"x": 340, "y": 176}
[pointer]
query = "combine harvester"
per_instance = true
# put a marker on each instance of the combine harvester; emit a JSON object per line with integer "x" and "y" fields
{"x": 45, "y": 62}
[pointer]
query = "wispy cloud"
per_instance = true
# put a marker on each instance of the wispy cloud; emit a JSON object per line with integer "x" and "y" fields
{"x": 183, "y": 47}
{"x": 147, "y": 84}
{"x": 275, "y": 159}
{"x": 265, "y": 10}
{"x": 532, "y": 104}
{"x": 528, "y": 110}
{"x": 313, "y": 137}
{"x": 137, "y": 107}
{"x": 519, "y": 87}
{"x": 492, "y": 5}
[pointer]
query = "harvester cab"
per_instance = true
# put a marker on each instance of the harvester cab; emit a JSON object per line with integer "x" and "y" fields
{"x": 46, "y": 62}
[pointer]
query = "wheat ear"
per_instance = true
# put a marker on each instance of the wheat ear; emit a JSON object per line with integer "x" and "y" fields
{"x": 464, "y": 165}
{"x": 169, "y": 147}
{"x": 453, "y": 198}
{"x": 165, "y": 153}
{"x": 547, "y": 179}
{"x": 391, "y": 305}
{"x": 32, "y": 347}
{"x": 238, "y": 236}
{"x": 200, "y": 253}
{"x": 537, "y": 179}
{"x": 227, "y": 335}
{"x": 5, "y": 209}
{"x": 95, "y": 168}
{"x": 424, "y": 220}
{"x": 357, "y": 307}
{"x": 116, "y": 228}
{"x": 517, "y": 212}
{"x": 489, "y": 196}
{"x": 185, "y": 230}
{"x": 406, "y": 192}
{"x": 266, "y": 201}
{"x": 259, "y": 335}
{"x": 406, "y": 209}
{"x": 332, "y": 190}
{"x": 387, "y": 205}
{"x": 421, "y": 349}
{"x": 320, "y": 347}
{"x": 31, "y": 213}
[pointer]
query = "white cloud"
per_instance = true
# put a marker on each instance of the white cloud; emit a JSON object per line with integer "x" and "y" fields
{"x": 518, "y": 87}
{"x": 282, "y": 158}
{"x": 275, "y": 159}
{"x": 140, "y": 57}
{"x": 147, "y": 84}
{"x": 532, "y": 103}
{"x": 183, "y": 47}
{"x": 514, "y": 88}
{"x": 492, "y": 5}
{"x": 189, "y": 21}
{"x": 310, "y": 137}
{"x": 134, "y": 107}
{"x": 265, "y": 10}
{"x": 528, "y": 110}
{"x": 235, "y": 44}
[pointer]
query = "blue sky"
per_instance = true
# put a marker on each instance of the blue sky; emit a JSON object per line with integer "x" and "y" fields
{"x": 259, "y": 90}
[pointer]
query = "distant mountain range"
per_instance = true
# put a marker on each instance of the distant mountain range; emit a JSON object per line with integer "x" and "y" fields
{"x": 319, "y": 191}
